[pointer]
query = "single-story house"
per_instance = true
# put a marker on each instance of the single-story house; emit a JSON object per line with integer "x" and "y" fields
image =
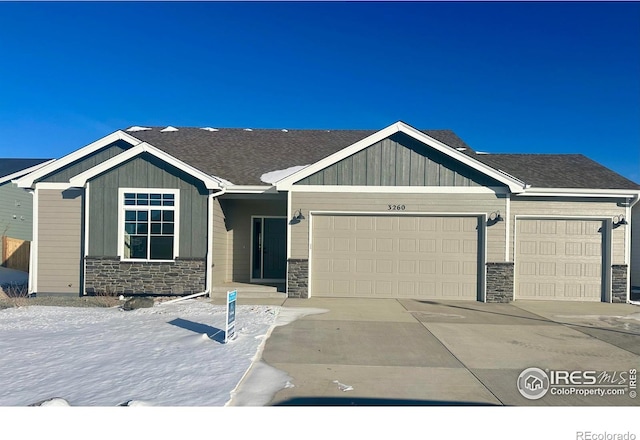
{"x": 16, "y": 207}
{"x": 394, "y": 213}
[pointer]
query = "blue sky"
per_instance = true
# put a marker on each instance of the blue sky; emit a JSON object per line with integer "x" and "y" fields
{"x": 516, "y": 77}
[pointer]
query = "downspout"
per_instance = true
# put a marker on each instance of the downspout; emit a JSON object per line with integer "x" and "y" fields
{"x": 629, "y": 216}
{"x": 209, "y": 259}
{"x": 32, "y": 247}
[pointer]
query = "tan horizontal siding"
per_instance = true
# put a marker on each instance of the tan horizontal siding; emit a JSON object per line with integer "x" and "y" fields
{"x": 572, "y": 207}
{"x": 220, "y": 239}
{"x": 477, "y": 203}
{"x": 59, "y": 244}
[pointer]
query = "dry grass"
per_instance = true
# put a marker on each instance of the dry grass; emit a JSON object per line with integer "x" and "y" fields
{"x": 14, "y": 294}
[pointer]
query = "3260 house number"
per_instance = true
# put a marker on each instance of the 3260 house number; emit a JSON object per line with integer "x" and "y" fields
{"x": 396, "y": 207}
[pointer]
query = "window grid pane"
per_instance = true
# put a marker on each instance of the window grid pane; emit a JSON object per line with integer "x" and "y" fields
{"x": 149, "y": 233}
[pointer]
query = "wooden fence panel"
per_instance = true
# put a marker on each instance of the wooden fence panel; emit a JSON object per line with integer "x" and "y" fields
{"x": 15, "y": 253}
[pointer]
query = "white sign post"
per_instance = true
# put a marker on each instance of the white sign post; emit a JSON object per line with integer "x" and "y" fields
{"x": 230, "y": 331}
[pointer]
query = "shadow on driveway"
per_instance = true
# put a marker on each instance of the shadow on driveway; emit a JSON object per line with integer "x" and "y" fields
{"x": 213, "y": 333}
{"x": 364, "y": 401}
{"x": 539, "y": 319}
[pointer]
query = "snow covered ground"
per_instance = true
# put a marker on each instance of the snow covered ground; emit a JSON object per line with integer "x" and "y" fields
{"x": 12, "y": 276}
{"x": 167, "y": 355}
{"x": 168, "y": 364}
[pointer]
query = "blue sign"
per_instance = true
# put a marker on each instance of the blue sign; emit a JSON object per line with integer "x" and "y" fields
{"x": 230, "y": 332}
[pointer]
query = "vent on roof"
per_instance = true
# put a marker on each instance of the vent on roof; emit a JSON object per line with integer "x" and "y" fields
{"x": 482, "y": 152}
{"x": 285, "y": 130}
{"x": 461, "y": 149}
{"x": 137, "y": 128}
{"x": 209, "y": 129}
{"x": 169, "y": 128}
{"x": 248, "y": 129}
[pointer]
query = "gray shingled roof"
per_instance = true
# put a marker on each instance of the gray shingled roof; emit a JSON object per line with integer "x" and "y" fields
{"x": 10, "y": 166}
{"x": 242, "y": 156}
{"x": 558, "y": 171}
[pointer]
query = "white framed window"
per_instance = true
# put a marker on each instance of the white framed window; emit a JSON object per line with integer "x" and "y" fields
{"x": 148, "y": 224}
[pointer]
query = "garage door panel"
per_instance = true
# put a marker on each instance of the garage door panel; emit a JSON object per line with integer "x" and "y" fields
{"x": 341, "y": 245}
{"x": 384, "y": 266}
{"x": 427, "y": 245}
{"x": 559, "y": 259}
{"x": 366, "y": 245}
{"x": 406, "y": 267}
{"x": 396, "y": 256}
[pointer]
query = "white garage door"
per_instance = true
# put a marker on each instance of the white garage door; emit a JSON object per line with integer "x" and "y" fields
{"x": 394, "y": 256}
{"x": 559, "y": 259}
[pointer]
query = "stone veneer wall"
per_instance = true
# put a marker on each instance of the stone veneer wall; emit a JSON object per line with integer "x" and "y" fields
{"x": 298, "y": 278}
{"x": 109, "y": 275}
{"x": 499, "y": 282}
{"x": 619, "y": 283}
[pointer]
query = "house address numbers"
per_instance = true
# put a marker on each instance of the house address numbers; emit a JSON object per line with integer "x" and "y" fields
{"x": 396, "y": 207}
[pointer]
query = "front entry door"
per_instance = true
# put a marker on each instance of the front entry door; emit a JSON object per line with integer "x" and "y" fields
{"x": 269, "y": 256}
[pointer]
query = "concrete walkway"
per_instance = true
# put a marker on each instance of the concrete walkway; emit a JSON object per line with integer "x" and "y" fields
{"x": 411, "y": 352}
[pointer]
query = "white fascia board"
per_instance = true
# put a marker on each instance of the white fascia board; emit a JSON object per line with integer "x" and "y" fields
{"x": 17, "y": 174}
{"x": 81, "y": 179}
{"x": 580, "y": 192}
{"x": 27, "y": 181}
{"x": 400, "y": 189}
{"x": 515, "y": 185}
{"x": 250, "y": 189}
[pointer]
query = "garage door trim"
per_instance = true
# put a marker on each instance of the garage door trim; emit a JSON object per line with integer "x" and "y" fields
{"x": 606, "y": 245}
{"x": 482, "y": 242}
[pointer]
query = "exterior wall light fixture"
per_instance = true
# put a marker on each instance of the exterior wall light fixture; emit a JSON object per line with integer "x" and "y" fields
{"x": 297, "y": 217}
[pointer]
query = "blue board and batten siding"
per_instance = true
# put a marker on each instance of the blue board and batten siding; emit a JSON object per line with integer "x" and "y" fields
{"x": 143, "y": 172}
{"x": 399, "y": 161}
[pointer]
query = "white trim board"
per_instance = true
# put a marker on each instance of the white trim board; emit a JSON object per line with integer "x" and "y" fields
{"x": 28, "y": 180}
{"x": 121, "y": 220}
{"x": 399, "y": 189}
{"x": 515, "y": 185}
{"x": 81, "y": 179}
{"x": 580, "y": 192}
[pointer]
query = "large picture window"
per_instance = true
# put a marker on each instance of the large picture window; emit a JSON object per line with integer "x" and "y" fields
{"x": 149, "y": 224}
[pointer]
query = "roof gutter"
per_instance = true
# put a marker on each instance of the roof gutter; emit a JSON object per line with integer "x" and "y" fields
{"x": 250, "y": 189}
{"x": 581, "y": 192}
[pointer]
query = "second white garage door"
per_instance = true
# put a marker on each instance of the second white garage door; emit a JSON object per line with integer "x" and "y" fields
{"x": 394, "y": 256}
{"x": 559, "y": 259}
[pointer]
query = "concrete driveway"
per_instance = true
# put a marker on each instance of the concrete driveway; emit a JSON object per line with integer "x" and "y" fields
{"x": 412, "y": 352}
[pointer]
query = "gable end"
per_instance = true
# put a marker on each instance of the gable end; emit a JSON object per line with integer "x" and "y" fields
{"x": 86, "y": 162}
{"x": 399, "y": 160}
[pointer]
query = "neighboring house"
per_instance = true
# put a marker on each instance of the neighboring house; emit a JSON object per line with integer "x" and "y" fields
{"x": 398, "y": 212}
{"x": 16, "y": 204}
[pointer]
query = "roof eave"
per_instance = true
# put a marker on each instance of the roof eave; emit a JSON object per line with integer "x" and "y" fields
{"x": 28, "y": 180}
{"x": 515, "y": 185}
{"x": 81, "y": 179}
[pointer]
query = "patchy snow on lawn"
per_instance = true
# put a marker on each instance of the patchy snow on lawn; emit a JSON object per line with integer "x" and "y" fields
{"x": 12, "y": 276}
{"x": 167, "y": 355}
